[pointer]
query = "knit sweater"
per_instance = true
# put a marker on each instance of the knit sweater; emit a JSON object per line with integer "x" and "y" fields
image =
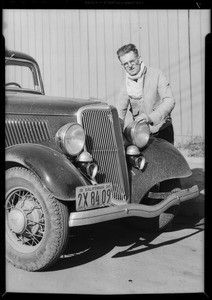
{"x": 157, "y": 100}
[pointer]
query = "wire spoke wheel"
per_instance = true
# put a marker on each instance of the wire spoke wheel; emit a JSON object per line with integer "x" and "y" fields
{"x": 36, "y": 222}
{"x": 25, "y": 219}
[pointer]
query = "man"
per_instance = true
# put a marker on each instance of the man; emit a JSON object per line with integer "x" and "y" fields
{"x": 147, "y": 93}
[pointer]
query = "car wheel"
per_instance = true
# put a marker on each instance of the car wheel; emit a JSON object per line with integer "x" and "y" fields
{"x": 36, "y": 222}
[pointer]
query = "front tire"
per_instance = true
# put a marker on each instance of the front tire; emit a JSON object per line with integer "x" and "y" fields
{"x": 36, "y": 222}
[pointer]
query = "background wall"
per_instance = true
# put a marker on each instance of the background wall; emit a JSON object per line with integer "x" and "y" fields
{"x": 76, "y": 51}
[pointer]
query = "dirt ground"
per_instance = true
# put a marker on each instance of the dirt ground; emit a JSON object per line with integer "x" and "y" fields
{"x": 113, "y": 259}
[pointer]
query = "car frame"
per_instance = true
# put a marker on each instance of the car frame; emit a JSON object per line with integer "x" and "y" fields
{"x": 69, "y": 163}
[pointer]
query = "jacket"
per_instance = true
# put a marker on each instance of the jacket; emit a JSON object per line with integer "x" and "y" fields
{"x": 157, "y": 102}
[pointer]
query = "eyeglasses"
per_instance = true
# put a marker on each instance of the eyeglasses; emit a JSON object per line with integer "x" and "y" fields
{"x": 131, "y": 62}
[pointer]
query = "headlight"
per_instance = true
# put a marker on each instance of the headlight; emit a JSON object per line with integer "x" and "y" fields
{"x": 71, "y": 138}
{"x": 137, "y": 133}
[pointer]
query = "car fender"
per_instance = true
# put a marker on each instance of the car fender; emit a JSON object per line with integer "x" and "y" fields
{"x": 54, "y": 170}
{"x": 163, "y": 161}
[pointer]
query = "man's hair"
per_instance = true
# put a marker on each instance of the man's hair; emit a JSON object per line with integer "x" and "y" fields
{"x": 126, "y": 49}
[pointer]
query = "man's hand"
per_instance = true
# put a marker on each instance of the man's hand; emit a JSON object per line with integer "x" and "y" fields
{"x": 144, "y": 117}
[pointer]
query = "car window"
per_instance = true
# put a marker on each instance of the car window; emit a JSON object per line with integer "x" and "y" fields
{"x": 19, "y": 76}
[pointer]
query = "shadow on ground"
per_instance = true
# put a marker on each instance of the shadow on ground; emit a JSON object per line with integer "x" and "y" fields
{"x": 94, "y": 241}
{"x": 194, "y": 206}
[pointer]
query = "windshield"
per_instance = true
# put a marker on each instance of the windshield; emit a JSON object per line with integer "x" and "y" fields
{"x": 21, "y": 75}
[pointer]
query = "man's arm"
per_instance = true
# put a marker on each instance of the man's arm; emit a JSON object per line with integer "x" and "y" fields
{"x": 122, "y": 103}
{"x": 167, "y": 101}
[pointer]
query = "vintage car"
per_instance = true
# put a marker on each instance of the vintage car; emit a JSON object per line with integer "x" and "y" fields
{"x": 69, "y": 163}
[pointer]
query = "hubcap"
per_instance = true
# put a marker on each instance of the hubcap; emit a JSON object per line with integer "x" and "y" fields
{"x": 25, "y": 219}
{"x": 17, "y": 221}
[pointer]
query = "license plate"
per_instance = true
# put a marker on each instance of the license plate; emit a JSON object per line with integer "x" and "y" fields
{"x": 93, "y": 196}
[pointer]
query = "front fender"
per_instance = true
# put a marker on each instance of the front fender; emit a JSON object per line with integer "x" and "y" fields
{"x": 55, "y": 171}
{"x": 163, "y": 161}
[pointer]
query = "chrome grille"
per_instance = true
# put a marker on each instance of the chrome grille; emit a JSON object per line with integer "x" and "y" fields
{"x": 19, "y": 131}
{"x": 101, "y": 141}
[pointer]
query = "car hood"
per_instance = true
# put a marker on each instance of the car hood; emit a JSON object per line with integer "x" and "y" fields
{"x": 17, "y": 103}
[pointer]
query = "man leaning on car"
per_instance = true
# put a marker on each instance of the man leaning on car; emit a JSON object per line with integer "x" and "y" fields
{"x": 147, "y": 93}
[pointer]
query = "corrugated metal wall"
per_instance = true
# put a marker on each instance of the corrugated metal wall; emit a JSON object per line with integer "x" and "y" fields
{"x": 76, "y": 51}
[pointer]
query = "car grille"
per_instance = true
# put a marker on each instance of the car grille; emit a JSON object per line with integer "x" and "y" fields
{"x": 104, "y": 142}
{"x": 19, "y": 131}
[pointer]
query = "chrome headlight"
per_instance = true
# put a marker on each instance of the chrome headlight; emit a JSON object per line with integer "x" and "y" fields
{"x": 71, "y": 138}
{"x": 137, "y": 133}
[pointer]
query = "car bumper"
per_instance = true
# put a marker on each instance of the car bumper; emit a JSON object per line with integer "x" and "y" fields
{"x": 131, "y": 210}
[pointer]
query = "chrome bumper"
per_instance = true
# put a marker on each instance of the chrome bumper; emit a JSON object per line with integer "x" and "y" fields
{"x": 131, "y": 210}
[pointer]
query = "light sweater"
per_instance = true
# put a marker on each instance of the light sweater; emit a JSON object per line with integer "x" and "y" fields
{"x": 156, "y": 100}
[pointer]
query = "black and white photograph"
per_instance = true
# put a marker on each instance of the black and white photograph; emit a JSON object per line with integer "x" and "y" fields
{"x": 105, "y": 150}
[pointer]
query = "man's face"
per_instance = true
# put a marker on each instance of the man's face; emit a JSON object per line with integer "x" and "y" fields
{"x": 131, "y": 63}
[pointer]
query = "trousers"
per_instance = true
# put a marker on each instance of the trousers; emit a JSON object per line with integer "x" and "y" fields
{"x": 167, "y": 134}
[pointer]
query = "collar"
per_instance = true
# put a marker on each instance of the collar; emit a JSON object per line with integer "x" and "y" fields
{"x": 140, "y": 73}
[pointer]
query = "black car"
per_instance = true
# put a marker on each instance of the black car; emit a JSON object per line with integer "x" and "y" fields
{"x": 68, "y": 163}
